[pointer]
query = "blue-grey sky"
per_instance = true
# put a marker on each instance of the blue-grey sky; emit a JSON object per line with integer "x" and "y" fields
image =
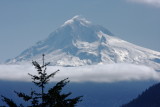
{"x": 24, "y": 22}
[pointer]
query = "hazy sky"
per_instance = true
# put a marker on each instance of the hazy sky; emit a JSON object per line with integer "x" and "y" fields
{"x": 24, "y": 22}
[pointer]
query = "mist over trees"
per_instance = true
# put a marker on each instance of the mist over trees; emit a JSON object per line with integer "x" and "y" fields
{"x": 149, "y": 98}
{"x": 52, "y": 97}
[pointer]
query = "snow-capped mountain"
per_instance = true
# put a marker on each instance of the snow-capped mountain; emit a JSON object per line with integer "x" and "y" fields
{"x": 79, "y": 42}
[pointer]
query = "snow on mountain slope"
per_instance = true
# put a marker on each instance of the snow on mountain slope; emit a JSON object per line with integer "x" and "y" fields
{"x": 79, "y": 42}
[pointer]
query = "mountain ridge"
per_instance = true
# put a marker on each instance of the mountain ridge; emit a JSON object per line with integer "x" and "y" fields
{"x": 79, "y": 42}
{"x": 149, "y": 98}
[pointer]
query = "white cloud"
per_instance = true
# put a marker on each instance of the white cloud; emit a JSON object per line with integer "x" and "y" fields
{"x": 93, "y": 73}
{"x": 150, "y": 2}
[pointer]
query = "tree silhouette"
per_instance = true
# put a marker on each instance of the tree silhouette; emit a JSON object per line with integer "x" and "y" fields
{"x": 52, "y": 98}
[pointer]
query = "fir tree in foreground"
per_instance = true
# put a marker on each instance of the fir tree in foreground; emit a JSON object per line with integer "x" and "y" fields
{"x": 51, "y": 98}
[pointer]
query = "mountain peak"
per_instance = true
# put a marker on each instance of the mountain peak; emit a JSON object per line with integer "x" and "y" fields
{"x": 79, "y": 42}
{"x": 77, "y": 19}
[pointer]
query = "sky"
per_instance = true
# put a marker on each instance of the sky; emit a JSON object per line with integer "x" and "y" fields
{"x": 25, "y": 22}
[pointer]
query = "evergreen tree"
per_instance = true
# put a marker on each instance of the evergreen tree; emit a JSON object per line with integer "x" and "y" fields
{"x": 52, "y": 98}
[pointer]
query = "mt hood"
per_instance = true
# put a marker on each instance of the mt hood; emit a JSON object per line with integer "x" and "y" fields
{"x": 79, "y": 42}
